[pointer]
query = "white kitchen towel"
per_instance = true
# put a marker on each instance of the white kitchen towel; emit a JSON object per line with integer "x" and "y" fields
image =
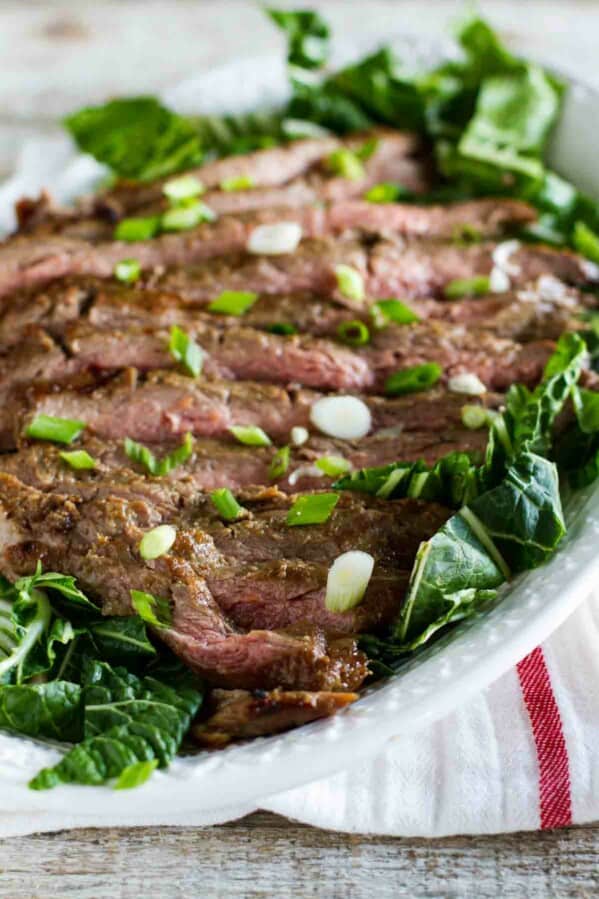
{"x": 524, "y": 754}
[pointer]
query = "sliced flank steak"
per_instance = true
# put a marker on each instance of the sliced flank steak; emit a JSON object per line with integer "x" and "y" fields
{"x": 29, "y": 260}
{"x": 285, "y": 178}
{"x": 165, "y": 406}
{"x": 246, "y": 599}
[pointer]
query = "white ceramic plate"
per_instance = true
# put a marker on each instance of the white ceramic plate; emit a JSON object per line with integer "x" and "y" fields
{"x": 465, "y": 661}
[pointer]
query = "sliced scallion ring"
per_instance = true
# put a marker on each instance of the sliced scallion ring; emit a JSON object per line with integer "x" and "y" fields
{"x": 80, "y": 460}
{"x": 233, "y": 302}
{"x": 348, "y": 579}
{"x": 237, "y": 182}
{"x": 127, "y": 271}
{"x": 333, "y": 466}
{"x": 312, "y": 508}
{"x": 133, "y": 229}
{"x": 157, "y": 542}
{"x": 474, "y": 417}
{"x": 58, "y": 430}
{"x": 182, "y": 218}
{"x": 353, "y": 333}
{"x": 185, "y": 187}
{"x": 350, "y": 283}
{"x": 250, "y": 435}
{"x": 226, "y": 505}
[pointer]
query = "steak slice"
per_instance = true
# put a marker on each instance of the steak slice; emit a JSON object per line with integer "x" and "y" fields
{"x": 29, "y": 260}
{"x": 240, "y": 714}
{"x": 165, "y": 406}
{"x": 246, "y": 599}
{"x": 95, "y": 217}
{"x": 249, "y": 354}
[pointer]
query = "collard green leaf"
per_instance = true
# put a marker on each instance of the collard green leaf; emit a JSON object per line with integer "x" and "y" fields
{"x": 452, "y": 561}
{"x": 122, "y": 641}
{"x": 52, "y": 710}
{"x": 127, "y": 720}
{"x": 523, "y": 515}
{"x": 307, "y": 36}
{"x": 137, "y": 138}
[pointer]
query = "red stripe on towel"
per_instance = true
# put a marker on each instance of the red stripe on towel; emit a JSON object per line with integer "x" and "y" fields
{"x": 554, "y": 770}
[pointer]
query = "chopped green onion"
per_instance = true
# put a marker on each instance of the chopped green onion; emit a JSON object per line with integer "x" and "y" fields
{"x": 127, "y": 270}
{"x": 185, "y": 350}
{"x": 466, "y": 234}
{"x": 333, "y": 466}
{"x": 417, "y": 482}
{"x": 134, "y": 229}
{"x": 182, "y": 218}
{"x": 151, "y": 609}
{"x": 386, "y": 192}
{"x": 59, "y": 430}
{"x": 237, "y": 182}
{"x": 413, "y": 379}
{"x": 348, "y": 578}
{"x": 586, "y": 241}
{"x": 135, "y": 775}
{"x": 368, "y": 148}
{"x": 226, "y": 504}
{"x": 186, "y": 187}
{"x": 474, "y": 417}
{"x": 233, "y": 302}
{"x": 281, "y": 328}
{"x": 141, "y": 454}
{"x": 78, "y": 459}
{"x": 279, "y": 463}
{"x": 350, "y": 282}
{"x": 467, "y": 287}
{"x": 157, "y": 542}
{"x": 294, "y": 129}
{"x": 345, "y": 163}
{"x": 250, "y": 435}
{"x": 395, "y": 478}
{"x": 353, "y": 333}
{"x": 313, "y": 508}
{"x": 385, "y": 311}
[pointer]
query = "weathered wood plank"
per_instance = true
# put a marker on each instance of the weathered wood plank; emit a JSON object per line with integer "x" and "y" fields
{"x": 264, "y": 856}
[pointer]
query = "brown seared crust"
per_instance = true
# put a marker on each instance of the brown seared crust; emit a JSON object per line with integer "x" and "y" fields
{"x": 241, "y": 714}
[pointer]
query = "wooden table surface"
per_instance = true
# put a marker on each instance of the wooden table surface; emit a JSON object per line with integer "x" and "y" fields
{"x": 57, "y": 56}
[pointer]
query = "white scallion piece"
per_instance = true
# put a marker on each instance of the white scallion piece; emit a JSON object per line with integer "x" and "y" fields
{"x": 502, "y": 255}
{"x": 466, "y": 382}
{"x": 157, "y": 542}
{"x": 276, "y": 239}
{"x": 304, "y": 471}
{"x": 474, "y": 417}
{"x": 344, "y": 417}
{"x": 348, "y": 578}
{"x": 299, "y": 436}
{"x": 499, "y": 280}
{"x": 350, "y": 282}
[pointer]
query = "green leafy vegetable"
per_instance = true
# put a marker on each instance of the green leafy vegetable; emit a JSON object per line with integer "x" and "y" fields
{"x": 136, "y": 774}
{"x": 126, "y": 720}
{"x": 307, "y": 34}
{"x": 137, "y": 138}
{"x": 151, "y": 609}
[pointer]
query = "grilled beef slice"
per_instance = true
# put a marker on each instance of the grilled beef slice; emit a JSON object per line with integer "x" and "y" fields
{"x": 240, "y": 714}
{"x": 246, "y": 599}
{"x": 165, "y": 406}
{"x": 26, "y": 261}
{"x": 311, "y": 182}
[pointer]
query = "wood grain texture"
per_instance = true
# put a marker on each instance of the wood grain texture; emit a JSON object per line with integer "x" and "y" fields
{"x": 264, "y": 856}
{"x": 57, "y": 56}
